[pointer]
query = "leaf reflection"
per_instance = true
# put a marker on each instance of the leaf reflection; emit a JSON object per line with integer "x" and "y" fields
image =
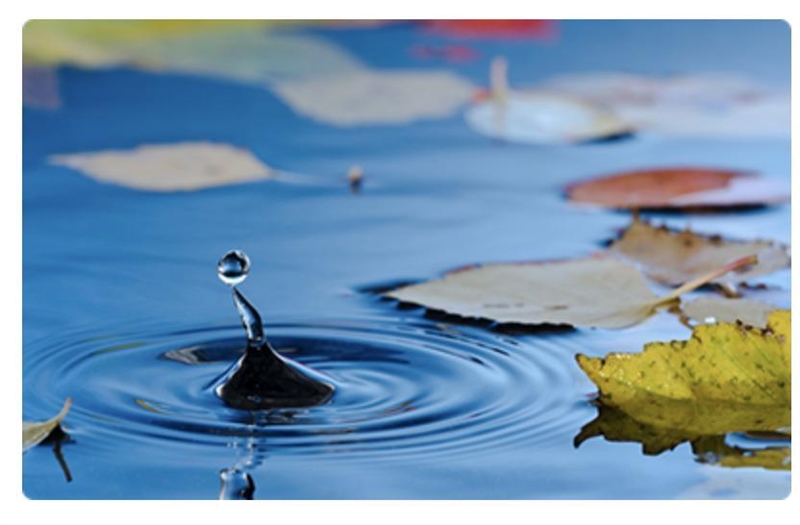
{"x": 616, "y": 426}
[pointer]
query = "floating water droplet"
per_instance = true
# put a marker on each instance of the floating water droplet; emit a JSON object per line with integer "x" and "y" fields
{"x": 233, "y": 267}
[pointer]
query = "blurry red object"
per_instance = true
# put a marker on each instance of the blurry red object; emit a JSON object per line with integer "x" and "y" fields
{"x": 447, "y": 53}
{"x": 535, "y": 29}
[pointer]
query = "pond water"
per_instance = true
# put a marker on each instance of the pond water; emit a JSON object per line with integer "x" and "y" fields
{"x": 123, "y": 311}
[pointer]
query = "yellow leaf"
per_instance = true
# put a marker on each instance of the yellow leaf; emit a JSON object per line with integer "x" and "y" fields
{"x": 34, "y": 433}
{"x": 593, "y": 292}
{"x": 673, "y": 257}
{"x": 726, "y": 378}
{"x": 241, "y": 51}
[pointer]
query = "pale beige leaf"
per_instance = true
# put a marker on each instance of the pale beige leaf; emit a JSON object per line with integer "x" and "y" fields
{"x": 585, "y": 292}
{"x": 673, "y": 257}
{"x": 536, "y": 117}
{"x": 169, "y": 167}
{"x": 697, "y": 105}
{"x": 716, "y": 309}
{"x": 34, "y": 433}
{"x": 375, "y": 98}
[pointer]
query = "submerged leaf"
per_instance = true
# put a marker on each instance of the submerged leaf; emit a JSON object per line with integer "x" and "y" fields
{"x": 683, "y": 187}
{"x": 169, "y": 167}
{"x": 594, "y": 292}
{"x": 673, "y": 257}
{"x": 715, "y": 309}
{"x": 726, "y": 378}
{"x": 34, "y": 433}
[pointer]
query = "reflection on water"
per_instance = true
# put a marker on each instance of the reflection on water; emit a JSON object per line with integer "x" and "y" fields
{"x": 758, "y": 450}
{"x": 56, "y": 440}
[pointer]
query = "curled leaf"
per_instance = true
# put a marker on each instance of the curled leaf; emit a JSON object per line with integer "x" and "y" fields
{"x": 538, "y": 116}
{"x": 593, "y": 292}
{"x": 34, "y": 433}
{"x": 678, "y": 188}
{"x": 715, "y": 309}
{"x": 544, "y": 118}
{"x": 726, "y": 378}
{"x": 675, "y": 257}
{"x": 169, "y": 167}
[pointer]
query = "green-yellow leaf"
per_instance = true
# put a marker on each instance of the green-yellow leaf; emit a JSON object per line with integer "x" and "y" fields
{"x": 726, "y": 378}
{"x": 34, "y": 433}
{"x": 593, "y": 292}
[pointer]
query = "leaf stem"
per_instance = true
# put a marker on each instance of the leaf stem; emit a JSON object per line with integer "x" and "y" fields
{"x": 705, "y": 279}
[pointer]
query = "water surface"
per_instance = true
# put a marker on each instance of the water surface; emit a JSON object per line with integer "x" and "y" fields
{"x": 123, "y": 311}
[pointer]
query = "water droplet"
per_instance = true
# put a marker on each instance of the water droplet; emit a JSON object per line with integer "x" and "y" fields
{"x": 233, "y": 267}
{"x": 236, "y": 484}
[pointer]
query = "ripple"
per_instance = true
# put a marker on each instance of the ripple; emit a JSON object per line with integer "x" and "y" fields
{"x": 403, "y": 389}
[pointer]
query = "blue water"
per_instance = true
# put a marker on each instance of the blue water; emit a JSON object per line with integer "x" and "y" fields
{"x": 123, "y": 311}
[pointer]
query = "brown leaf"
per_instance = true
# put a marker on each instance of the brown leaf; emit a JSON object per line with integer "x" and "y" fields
{"x": 716, "y": 309}
{"x": 675, "y": 257}
{"x": 680, "y": 187}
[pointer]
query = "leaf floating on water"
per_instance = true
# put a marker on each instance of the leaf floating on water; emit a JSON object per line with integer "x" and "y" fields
{"x": 616, "y": 426}
{"x": 534, "y": 117}
{"x": 707, "y": 105}
{"x": 715, "y": 309}
{"x": 238, "y": 50}
{"x": 360, "y": 98}
{"x": 539, "y": 117}
{"x": 34, "y": 433}
{"x": 675, "y": 257}
{"x": 678, "y": 188}
{"x": 726, "y": 378}
{"x": 505, "y": 29}
{"x": 594, "y": 292}
{"x": 170, "y": 167}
